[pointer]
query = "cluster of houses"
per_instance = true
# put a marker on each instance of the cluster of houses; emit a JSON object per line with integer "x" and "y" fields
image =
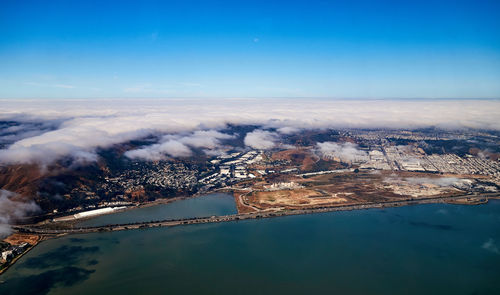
{"x": 13, "y": 251}
{"x": 232, "y": 167}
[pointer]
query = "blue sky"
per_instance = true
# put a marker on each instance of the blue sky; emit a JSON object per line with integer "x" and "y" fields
{"x": 340, "y": 49}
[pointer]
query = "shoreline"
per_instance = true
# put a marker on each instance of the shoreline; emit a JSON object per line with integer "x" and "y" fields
{"x": 254, "y": 215}
{"x": 15, "y": 259}
{"x": 127, "y": 208}
{"x": 46, "y": 234}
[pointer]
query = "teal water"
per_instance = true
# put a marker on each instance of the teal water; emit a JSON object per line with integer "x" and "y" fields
{"x": 425, "y": 249}
{"x": 207, "y": 205}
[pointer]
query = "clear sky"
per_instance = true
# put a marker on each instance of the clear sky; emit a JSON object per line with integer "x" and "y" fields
{"x": 341, "y": 49}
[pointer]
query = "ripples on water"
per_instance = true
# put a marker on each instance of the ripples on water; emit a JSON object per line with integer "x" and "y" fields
{"x": 425, "y": 249}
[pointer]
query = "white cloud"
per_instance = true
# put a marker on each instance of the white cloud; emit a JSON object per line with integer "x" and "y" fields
{"x": 346, "y": 151}
{"x": 85, "y": 125}
{"x": 177, "y": 145}
{"x": 205, "y": 138}
{"x": 288, "y": 130}
{"x": 12, "y": 210}
{"x": 260, "y": 139}
{"x": 158, "y": 151}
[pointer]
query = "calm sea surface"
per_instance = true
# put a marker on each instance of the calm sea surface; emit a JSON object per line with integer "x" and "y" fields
{"x": 425, "y": 249}
{"x": 212, "y": 204}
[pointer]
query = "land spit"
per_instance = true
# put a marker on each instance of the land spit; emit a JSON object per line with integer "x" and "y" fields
{"x": 42, "y": 230}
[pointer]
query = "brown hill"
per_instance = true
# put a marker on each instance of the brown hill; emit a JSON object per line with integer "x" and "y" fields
{"x": 21, "y": 179}
{"x": 297, "y": 157}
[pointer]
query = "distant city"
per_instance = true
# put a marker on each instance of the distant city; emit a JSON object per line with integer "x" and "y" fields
{"x": 249, "y": 147}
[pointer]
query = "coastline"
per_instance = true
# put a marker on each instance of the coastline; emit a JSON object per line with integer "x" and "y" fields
{"x": 46, "y": 234}
{"x": 15, "y": 259}
{"x": 243, "y": 216}
{"x": 127, "y": 208}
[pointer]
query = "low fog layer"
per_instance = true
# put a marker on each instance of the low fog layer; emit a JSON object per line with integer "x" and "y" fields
{"x": 179, "y": 145}
{"x": 346, "y": 151}
{"x": 260, "y": 139}
{"x": 77, "y": 128}
{"x": 11, "y": 211}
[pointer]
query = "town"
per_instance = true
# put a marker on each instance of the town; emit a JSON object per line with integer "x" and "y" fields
{"x": 423, "y": 153}
{"x": 322, "y": 171}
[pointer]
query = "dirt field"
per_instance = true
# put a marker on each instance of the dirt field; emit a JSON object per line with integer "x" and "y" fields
{"x": 241, "y": 205}
{"x": 336, "y": 189}
{"x": 17, "y": 239}
{"x": 297, "y": 157}
{"x": 305, "y": 160}
{"x": 292, "y": 198}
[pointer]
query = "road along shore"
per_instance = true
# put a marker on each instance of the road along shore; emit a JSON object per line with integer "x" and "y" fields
{"x": 36, "y": 229}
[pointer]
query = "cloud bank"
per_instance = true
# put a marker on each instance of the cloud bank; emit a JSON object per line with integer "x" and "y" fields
{"x": 346, "y": 151}
{"x": 11, "y": 211}
{"x": 83, "y": 126}
{"x": 260, "y": 139}
{"x": 178, "y": 145}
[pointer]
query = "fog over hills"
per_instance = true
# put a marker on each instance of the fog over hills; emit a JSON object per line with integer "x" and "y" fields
{"x": 43, "y": 131}
{"x": 48, "y": 147}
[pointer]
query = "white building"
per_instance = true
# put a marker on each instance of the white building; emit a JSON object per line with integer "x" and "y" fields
{"x": 7, "y": 255}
